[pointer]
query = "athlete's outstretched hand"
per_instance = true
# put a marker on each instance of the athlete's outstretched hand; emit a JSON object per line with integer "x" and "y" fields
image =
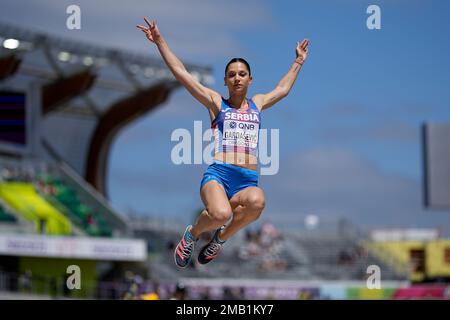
{"x": 302, "y": 49}
{"x": 152, "y": 32}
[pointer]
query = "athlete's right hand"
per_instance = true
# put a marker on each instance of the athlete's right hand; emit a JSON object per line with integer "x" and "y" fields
{"x": 152, "y": 32}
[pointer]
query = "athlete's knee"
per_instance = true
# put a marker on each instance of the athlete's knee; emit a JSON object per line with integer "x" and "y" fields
{"x": 256, "y": 202}
{"x": 220, "y": 214}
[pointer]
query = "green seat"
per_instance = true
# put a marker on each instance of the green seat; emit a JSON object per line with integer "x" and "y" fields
{"x": 5, "y": 216}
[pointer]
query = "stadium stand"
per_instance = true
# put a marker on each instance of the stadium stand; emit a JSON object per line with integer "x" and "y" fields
{"x": 49, "y": 196}
{"x": 266, "y": 253}
{"x": 420, "y": 261}
{"x": 26, "y": 201}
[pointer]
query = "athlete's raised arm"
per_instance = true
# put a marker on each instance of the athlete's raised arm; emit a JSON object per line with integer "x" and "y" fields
{"x": 209, "y": 98}
{"x": 264, "y": 101}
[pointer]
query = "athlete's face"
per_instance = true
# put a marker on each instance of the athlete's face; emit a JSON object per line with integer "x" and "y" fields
{"x": 237, "y": 78}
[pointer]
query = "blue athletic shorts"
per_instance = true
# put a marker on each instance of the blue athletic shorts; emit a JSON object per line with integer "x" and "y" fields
{"x": 232, "y": 178}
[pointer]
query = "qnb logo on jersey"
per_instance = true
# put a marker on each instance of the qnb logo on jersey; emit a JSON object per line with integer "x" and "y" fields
{"x": 247, "y": 126}
{"x": 243, "y": 125}
{"x": 242, "y": 116}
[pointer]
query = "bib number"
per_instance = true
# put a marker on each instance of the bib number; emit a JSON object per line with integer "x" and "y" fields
{"x": 240, "y": 134}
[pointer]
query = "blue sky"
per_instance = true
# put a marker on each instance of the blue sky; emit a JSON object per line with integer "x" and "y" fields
{"x": 349, "y": 129}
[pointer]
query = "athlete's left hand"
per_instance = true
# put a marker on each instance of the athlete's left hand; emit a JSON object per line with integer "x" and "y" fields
{"x": 302, "y": 49}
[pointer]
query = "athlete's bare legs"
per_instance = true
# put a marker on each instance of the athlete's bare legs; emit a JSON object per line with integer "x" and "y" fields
{"x": 247, "y": 206}
{"x": 218, "y": 209}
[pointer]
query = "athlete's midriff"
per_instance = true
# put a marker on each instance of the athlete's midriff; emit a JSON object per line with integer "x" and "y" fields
{"x": 240, "y": 159}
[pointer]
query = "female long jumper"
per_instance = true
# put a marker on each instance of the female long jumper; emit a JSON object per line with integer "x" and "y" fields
{"x": 229, "y": 188}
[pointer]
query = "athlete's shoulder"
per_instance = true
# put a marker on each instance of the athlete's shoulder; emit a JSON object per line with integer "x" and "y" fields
{"x": 257, "y": 100}
{"x": 216, "y": 106}
{"x": 225, "y": 105}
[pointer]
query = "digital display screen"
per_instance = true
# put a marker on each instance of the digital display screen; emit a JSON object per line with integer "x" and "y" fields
{"x": 12, "y": 118}
{"x": 436, "y": 143}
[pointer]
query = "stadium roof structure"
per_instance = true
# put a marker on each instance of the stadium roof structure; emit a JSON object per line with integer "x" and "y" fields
{"x": 81, "y": 95}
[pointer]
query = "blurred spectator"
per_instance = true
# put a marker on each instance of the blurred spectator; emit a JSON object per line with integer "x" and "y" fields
{"x": 90, "y": 219}
{"x": 42, "y": 226}
{"x": 447, "y": 293}
{"x": 154, "y": 294}
{"x": 266, "y": 247}
{"x": 25, "y": 281}
{"x": 233, "y": 293}
{"x": 53, "y": 284}
{"x": 205, "y": 295}
{"x": 305, "y": 295}
{"x": 345, "y": 258}
{"x": 179, "y": 293}
{"x": 134, "y": 282}
{"x": 64, "y": 287}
